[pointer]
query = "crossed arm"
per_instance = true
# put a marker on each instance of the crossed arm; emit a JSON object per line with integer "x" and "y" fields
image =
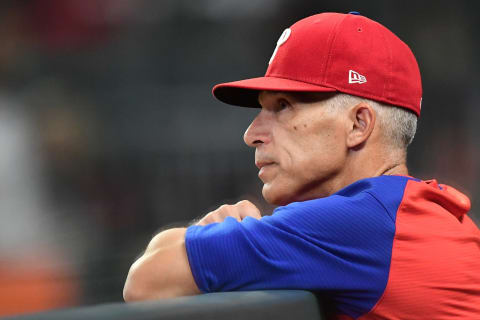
{"x": 163, "y": 271}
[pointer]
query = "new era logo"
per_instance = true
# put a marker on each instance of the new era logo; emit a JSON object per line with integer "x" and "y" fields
{"x": 355, "y": 77}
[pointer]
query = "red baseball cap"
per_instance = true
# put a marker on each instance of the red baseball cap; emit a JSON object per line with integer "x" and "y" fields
{"x": 335, "y": 52}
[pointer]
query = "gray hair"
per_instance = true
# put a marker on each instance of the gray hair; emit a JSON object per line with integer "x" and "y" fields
{"x": 397, "y": 124}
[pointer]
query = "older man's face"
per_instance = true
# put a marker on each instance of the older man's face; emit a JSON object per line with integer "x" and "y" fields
{"x": 300, "y": 146}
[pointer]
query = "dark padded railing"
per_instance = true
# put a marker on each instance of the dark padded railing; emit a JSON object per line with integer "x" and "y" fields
{"x": 249, "y": 305}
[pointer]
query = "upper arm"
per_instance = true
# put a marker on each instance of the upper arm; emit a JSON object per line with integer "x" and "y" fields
{"x": 336, "y": 245}
{"x": 163, "y": 271}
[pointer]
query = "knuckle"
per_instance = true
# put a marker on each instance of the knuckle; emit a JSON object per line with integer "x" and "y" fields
{"x": 224, "y": 207}
{"x": 244, "y": 203}
{"x": 208, "y": 216}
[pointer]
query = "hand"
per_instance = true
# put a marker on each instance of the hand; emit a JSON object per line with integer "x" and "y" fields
{"x": 239, "y": 211}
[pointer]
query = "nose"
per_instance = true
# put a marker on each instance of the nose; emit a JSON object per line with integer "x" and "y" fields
{"x": 258, "y": 131}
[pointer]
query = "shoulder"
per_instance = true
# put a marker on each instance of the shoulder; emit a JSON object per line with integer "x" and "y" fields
{"x": 384, "y": 187}
{"x": 371, "y": 197}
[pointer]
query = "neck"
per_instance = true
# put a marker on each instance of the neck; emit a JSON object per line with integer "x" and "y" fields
{"x": 368, "y": 165}
{"x": 399, "y": 169}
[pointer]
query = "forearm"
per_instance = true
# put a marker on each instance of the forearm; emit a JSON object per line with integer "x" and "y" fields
{"x": 162, "y": 271}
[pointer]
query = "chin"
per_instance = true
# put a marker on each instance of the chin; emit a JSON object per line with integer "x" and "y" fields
{"x": 275, "y": 197}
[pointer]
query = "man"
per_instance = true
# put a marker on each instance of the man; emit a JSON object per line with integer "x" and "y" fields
{"x": 339, "y": 105}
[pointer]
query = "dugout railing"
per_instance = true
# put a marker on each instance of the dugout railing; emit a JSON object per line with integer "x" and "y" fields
{"x": 249, "y": 305}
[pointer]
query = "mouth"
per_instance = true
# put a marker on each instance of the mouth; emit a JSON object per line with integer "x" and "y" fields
{"x": 262, "y": 164}
{"x": 265, "y": 169}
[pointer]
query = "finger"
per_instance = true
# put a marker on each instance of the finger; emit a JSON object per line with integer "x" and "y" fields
{"x": 207, "y": 219}
{"x": 229, "y": 211}
{"x": 239, "y": 211}
{"x": 248, "y": 209}
{"x": 219, "y": 215}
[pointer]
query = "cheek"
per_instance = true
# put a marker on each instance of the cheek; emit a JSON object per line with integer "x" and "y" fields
{"x": 307, "y": 155}
{"x": 319, "y": 146}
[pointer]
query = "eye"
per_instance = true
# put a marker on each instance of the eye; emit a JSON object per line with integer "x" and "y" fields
{"x": 282, "y": 104}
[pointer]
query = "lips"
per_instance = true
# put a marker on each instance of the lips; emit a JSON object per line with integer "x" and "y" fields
{"x": 265, "y": 169}
{"x": 261, "y": 164}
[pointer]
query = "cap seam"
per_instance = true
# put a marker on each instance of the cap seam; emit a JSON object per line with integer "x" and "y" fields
{"x": 397, "y": 103}
{"x": 386, "y": 85}
{"x": 312, "y": 83}
{"x": 331, "y": 44}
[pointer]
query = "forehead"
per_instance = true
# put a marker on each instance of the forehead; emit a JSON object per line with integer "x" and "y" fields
{"x": 303, "y": 97}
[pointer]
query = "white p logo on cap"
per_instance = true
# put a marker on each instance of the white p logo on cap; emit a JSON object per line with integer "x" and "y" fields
{"x": 283, "y": 38}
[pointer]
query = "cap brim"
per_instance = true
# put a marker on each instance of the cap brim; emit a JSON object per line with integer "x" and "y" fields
{"x": 244, "y": 93}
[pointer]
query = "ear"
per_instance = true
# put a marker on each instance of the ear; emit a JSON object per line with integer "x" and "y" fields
{"x": 361, "y": 120}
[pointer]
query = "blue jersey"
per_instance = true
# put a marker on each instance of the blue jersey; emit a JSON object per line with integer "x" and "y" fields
{"x": 342, "y": 245}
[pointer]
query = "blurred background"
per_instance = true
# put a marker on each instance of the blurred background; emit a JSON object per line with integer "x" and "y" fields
{"x": 109, "y": 132}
